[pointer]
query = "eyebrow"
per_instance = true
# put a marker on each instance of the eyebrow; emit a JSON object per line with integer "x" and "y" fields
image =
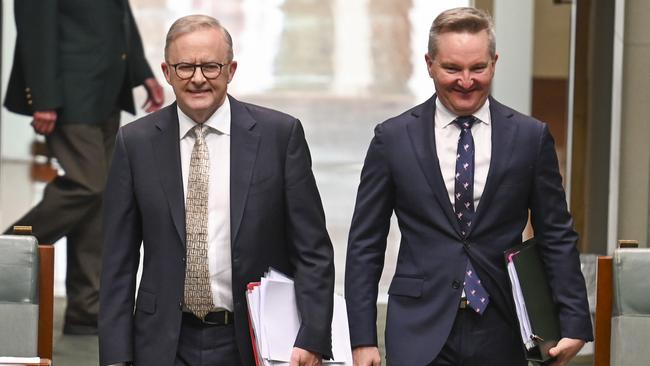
{"x": 454, "y": 65}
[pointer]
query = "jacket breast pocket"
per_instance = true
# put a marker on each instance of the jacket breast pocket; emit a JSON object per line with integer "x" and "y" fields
{"x": 406, "y": 286}
{"x": 146, "y": 302}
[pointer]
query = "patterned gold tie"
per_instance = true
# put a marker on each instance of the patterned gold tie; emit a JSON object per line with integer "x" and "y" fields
{"x": 198, "y": 295}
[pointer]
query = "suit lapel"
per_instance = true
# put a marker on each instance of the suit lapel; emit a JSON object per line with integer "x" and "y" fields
{"x": 421, "y": 134}
{"x": 168, "y": 163}
{"x": 244, "y": 141}
{"x": 503, "y": 137}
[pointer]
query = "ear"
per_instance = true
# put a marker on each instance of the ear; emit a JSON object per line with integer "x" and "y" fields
{"x": 430, "y": 64}
{"x": 166, "y": 71}
{"x": 232, "y": 67}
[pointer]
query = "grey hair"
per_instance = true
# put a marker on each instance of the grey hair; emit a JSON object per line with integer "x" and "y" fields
{"x": 460, "y": 20}
{"x": 192, "y": 23}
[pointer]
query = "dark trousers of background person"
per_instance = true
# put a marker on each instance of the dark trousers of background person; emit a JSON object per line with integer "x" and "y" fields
{"x": 72, "y": 207}
{"x": 481, "y": 340}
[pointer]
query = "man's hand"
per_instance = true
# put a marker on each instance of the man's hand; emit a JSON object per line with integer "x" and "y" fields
{"x": 301, "y": 357}
{"x": 565, "y": 350}
{"x": 155, "y": 95}
{"x": 366, "y": 356}
{"x": 44, "y": 121}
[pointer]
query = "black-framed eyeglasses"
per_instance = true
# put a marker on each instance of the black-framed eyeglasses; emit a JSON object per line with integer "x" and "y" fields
{"x": 210, "y": 70}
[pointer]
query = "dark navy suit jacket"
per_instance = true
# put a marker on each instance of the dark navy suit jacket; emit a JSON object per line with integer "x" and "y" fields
{"x": 401, "y": 174}
{"x": 276, "y": 217}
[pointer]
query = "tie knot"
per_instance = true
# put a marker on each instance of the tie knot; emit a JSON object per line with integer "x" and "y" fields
{"x": 200, "y": 130}
{"x": 465, "y": 122}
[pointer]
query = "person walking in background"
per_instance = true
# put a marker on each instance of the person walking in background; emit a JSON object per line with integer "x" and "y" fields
{"x": 74, "y": 68}
{"x": 461, "y": 172}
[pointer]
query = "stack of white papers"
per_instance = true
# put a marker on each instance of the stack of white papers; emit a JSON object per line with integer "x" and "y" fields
{"x": 520, "y": 305}
{"x": 275, "y": 322}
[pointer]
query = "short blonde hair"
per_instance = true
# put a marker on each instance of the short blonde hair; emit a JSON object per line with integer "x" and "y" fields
{"x": 459, "y": 20}
{"x": 192, "y": 23}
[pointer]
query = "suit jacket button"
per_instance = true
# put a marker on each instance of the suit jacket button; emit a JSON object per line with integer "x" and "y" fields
{"x": 455, "y": 284}
{"x": 27, "y": 90}
{"x": 29, "y": 102}
{"x": 123, "y": 56}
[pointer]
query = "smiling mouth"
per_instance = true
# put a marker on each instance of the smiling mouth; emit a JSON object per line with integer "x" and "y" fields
{"x": 465, "y": 91}
{"x": 198, "y": 91}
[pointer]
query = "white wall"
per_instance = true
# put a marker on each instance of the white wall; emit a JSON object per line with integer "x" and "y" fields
{"x": 16, "y": 133}
{"x": 514, "y": 75}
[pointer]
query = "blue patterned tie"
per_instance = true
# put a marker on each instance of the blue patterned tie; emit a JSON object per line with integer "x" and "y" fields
{"x": 477, "y": 297}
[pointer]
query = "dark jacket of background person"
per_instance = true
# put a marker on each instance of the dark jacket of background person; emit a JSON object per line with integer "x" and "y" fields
{"x": 77, "y": 57}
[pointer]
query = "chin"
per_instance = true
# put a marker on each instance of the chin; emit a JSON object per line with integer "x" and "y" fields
{"x": 198, "y": 105}
{"x": 466, "y": 108}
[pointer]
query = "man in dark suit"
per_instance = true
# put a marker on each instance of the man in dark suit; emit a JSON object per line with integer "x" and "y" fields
{"x": 75, "y": 64}
{"x": 449, "y": 300}
{"x": 218, "y": 191}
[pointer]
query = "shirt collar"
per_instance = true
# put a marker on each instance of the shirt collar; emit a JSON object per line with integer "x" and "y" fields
{"x": 444, "y": 117}
{"x": 218, "y": 121}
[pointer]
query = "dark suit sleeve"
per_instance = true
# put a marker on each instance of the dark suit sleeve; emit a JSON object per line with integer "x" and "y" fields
{"x": 122, "y": 238}
{"x": 553, "y": 226}
{"x": 313, "y": 256}
{"x": 37, "y": 51}
{"x": 367, "y": 243}
{"x": 140, "y": 69}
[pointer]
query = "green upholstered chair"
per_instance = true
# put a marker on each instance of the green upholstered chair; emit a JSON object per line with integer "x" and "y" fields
{"x": 26, "y": 297}
{"x": 630, "y": 330}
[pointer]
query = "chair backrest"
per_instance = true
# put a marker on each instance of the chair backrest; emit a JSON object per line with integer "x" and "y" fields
{"x": 26, "y": 297}
{"x": 631, "y": 307}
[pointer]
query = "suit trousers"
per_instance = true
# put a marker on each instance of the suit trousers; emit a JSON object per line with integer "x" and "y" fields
{"x": 481, "y": 340}
{"x": 206, "y": 345}
{"x": 71, "y": 207}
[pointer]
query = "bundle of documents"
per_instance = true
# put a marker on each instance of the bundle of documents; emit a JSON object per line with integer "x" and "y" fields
{"x": 275, "y": 321}
{"x": 536, "y": 311}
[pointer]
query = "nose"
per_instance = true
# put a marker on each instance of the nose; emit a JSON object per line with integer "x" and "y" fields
{"x": 198, "y": 77}
{"x": 466, "y": 81}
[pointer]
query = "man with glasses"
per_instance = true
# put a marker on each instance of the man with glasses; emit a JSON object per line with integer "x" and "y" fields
{"x": 218, "y": 191}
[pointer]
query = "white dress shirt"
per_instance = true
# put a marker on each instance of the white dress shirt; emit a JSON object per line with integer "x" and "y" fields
{"x": 217, "y": 139}
{"x": 447, "y": 134}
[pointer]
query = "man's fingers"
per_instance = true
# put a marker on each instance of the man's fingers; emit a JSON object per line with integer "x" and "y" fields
{"x": 45, "y": 116}
{"x": 43, "y": 127}
{"x": 366, "y": 356}
{"x": 302, "y": 357}
{"x": 44, "y": 121}
{"x": 155, "y": 95}
{"x": 565, "y": 350}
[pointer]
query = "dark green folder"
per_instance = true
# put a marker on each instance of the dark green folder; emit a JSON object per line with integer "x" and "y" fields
{"x": 536, "y": 292}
